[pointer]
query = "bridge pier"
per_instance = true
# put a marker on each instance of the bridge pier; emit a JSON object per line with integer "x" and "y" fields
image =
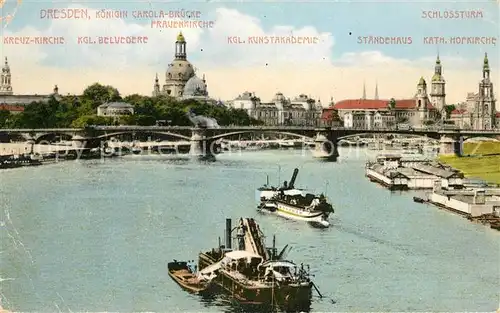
{"x": 326, "y": 146}
{"x": 451, "y": 145}
{"x": 84, "y": 145}
{"x": 202, "y": 146}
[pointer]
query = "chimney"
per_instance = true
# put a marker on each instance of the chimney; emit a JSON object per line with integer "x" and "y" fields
{"x": 228, "y": 233}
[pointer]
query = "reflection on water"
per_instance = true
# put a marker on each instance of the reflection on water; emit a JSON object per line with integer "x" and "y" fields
{"x": 96, "y": 236}
{"x": 227, "y": 304}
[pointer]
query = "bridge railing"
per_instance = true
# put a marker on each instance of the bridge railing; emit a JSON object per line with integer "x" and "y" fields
{"x": 262, "y": 128}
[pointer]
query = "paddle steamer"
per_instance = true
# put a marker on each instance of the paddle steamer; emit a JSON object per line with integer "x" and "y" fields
{"x": 293, "y": 203}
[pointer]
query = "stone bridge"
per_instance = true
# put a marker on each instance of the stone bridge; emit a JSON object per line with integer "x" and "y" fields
{"x": 203, "y": 140}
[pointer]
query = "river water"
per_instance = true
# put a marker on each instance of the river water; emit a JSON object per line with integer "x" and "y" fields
{"x": 96, "y": 235}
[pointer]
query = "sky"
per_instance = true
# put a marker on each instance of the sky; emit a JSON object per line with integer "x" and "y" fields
{"x": 336, "y": 64}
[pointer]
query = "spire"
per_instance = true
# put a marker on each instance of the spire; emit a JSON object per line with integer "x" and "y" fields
{"x": 6, "y": 66}
{"x": 486, "y": 65}
{"x": 376, "y": 90}
{"x": 437, "y": 70}
{"x": 5, "y": 80}
{"x": 156, "y": 79}
{"x": 364, "y": 91}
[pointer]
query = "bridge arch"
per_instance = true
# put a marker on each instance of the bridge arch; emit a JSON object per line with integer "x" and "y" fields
{"x": 480, "y": 138}
{"x": 51, "y": 135}
{"x": 257, "y": 131}
{"x": 106, "y": 136}
{"x": 387, "y": 133}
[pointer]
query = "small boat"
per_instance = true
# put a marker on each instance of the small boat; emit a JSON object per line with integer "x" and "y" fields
{"x": 136, "y": 150}
{"x": 185, "y": 277}
{"x": 418, "y": 200}
{"x": 286, "y": 144}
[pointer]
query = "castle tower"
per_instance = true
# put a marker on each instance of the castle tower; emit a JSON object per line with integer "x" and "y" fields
{"x": 5, "y": 80}
{"x": 438, "y": 93}
{"x": 422, "y": 100}
{"x": 485, "y": 113}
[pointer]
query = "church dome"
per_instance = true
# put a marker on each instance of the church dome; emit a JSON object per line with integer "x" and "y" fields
{"x": 195, "y": 87}
{"x": 180, "y": 38}
{"x": 180, "y": 70}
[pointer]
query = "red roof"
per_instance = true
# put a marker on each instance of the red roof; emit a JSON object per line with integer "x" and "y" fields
{"x": 370, "y": 104}
{"x": 497, "y": 114}
{"x": 12, "y": 108}
{"x": 457, "y": 111}
{"x": 327, "y": 114}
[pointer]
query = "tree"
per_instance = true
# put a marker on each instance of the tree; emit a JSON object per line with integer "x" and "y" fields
{"x": 4, "y": 118}
{"x": 79, "y": 111}
{"x": 100, "y": 94}
{"x": 448, "y": 109}
{"x": 392, "y": 104}
{"x": 402, "y": 119}
{"x": 88, "y": 120}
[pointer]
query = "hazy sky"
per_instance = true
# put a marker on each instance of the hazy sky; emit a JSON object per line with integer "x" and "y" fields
{"x": 335, "y": 66}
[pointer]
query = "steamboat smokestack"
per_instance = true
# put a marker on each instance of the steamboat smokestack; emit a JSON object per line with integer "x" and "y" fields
{"x": 228, "y": 233}
{"x": 294, "y": 177}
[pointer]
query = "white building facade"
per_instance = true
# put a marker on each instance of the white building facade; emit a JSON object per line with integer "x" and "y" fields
{"x": 375, "y": 113}
{"x": 115, "y": 109}
{"x": 300, "y": 111}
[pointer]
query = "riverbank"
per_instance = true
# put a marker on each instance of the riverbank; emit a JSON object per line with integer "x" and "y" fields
{"x": 481, "y": 160}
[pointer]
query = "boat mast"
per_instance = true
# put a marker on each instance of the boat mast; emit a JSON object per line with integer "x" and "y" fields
{"x": 279, "y": 173}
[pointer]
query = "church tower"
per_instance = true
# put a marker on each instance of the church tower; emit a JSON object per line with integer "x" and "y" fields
{"x": 438, "y": 93}
{"x": 179, "y": 71}
{"x": 376, "y": 90}
{"x": 156, "y": 87}
{"x": 422, "y": 100}
{"x": 485, "y": 114}
{"x": 180, "y": 47}
{"x": 5, "y": 80}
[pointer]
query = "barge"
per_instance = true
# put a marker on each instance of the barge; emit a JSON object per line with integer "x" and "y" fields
{"x": 254, "y": 273}
{"x": 15, "y": 161}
